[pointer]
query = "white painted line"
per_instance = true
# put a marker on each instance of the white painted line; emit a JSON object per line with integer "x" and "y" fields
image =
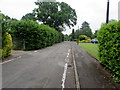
{"x": 35, "y": 51}
{"x": 65, "y": 70}
{"x": 68, "y": 55}
{"x": 64, "y": 76}
{"x": 10, "y": 60}
{"x": 68, "y": 50}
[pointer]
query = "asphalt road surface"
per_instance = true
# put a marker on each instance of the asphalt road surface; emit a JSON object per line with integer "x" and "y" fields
{"x": 53, "y": 67}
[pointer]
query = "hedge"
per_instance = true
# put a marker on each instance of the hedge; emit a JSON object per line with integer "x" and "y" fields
{"x": 29, "y": 35}
{"x": 109, "y": 48}
{"x": 6, "y": 45}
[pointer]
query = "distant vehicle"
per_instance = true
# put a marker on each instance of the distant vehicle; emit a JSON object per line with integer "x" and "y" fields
{"x": 95, "y": 41}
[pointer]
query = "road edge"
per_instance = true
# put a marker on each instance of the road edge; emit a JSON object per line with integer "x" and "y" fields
{"x": 75, "y": 70}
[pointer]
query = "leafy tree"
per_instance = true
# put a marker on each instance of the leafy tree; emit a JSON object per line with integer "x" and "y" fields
{"x": 4, "y": 22}
{"x": 29, "y": 16}
{"x": 55, "y": 14}
{"x": 85, "y": 25}
{"x": 66, "y": 37}
{"x": 95, "y": 34}
{"x": 85, "y": 30}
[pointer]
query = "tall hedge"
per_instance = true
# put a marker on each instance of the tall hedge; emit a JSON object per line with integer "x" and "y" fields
{"x": 6, "y": 45}
{"x": 29, "y": 35}
{"x": 109, "y": 47}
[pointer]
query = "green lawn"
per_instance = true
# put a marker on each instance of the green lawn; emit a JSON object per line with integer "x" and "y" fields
{"x": 91, "y": 49}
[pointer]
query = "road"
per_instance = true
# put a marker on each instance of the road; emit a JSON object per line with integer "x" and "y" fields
{"x": 53, "y": 67}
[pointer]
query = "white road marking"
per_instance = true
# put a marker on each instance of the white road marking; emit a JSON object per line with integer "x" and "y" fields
{"x": 35, "y": 51}
{"x": 65, "y": 70}
{"x": 10, "y": 60}
{"x": 67, "y": 55}
{"x": 68, "y": 50}
{"x": 64, "y": 76}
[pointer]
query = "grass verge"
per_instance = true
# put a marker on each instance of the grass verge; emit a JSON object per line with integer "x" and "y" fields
{"x": 91, "y": 49}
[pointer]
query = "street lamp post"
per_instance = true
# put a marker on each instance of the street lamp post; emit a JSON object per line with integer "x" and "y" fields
{"x": 107, "y": 14}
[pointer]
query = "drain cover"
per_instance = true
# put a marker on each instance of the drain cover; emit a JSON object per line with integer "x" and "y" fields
{"x": 69, "y": 65}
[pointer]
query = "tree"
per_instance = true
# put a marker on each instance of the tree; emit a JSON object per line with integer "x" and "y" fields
{"x": 85, "y": 30}
{"x": 66, "y": 37}
{"x": 55, "y": 14}
{"x": 85, "y": 25}
{"x": 29, "y": 16}
{"x": 95, "y": 34}
{"x": 4, "y": 19}
{"x": 73, "y": 35}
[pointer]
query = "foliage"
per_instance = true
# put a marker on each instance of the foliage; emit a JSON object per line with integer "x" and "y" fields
{"x": 73, "y": 35}
{"x": 109, "y": 48}
{"x": 85, "y": 41}
{"x": 5, "y": 38}
{"x": 82, "y": 37}
{"x": 30, "y": 35}
{"x": 55, "y": 14}
{"x": 6, "y": 44}
{"x": 29, "y": 16}
{"x": 84, "y": 30}
{"x": 85, "y": 25}
{"x": 66, "y": 37}
{"x": 94, "y": 35}
{"x": 4, "y": 22}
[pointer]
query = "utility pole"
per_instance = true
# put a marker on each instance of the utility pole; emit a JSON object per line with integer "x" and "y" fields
{"x": 107, "y": 14}
{"x": 119, "y": 10}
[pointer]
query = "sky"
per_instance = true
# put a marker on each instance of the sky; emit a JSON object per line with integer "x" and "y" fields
{"x": 92, "y": 11}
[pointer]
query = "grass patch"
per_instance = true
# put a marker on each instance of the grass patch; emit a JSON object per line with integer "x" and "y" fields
{"x": 91, "y": 49}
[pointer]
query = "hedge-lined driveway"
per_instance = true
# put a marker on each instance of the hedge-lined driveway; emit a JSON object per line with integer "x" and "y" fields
{"x": 52, "y": 67}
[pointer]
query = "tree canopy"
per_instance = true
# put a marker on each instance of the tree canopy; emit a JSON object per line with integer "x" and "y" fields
{"x": 84, "y": 30}
{"x": 55, "y": 14}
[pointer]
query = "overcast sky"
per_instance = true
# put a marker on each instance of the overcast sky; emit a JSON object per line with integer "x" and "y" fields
{"x": 92, "y": 11}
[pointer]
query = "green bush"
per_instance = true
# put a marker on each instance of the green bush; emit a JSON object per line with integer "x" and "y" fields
{"x": 29, "y": 35}
{"x": 6, "y": 45}
{"x": 82, "y": 37}
{"x": 85, "y": 41}
{"x": 109, "y": 47}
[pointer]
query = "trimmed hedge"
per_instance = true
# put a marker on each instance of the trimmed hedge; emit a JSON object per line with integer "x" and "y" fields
{"x": 29, "y": 35}
{"x": 6, "y": 45}
{"x": 109, "y": 48}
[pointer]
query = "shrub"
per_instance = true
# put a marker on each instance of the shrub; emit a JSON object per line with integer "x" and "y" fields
{"x": 82, "y": 37}
{"x": 109, "y": 47}
{"x": 6, "y": 45}
{"x": 85, "y": 41}
{"x": 29, "y": 35}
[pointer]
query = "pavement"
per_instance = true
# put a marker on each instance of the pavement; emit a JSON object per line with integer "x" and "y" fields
{"x": 57, "y": 66}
